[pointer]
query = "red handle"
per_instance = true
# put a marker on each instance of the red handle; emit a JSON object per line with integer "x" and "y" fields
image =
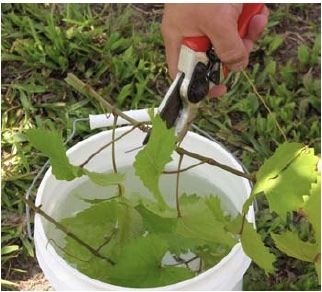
{"x": 198, "y": 44}
{"x": 249, "y": 10}
{"x": 202, "y": 43}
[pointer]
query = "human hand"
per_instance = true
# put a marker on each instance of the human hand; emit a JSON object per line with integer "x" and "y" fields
{"x": 219, "y": 23}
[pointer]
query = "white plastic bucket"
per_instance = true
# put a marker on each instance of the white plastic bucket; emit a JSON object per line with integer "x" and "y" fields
{"x": 52, "y": 196}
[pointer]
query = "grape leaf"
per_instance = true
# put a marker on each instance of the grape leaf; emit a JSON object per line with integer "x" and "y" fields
{"x": 235, "y": 226}
{"x": 312, "y": 209}
{"x": 289, "y": 243}
{"x": 180, "y": 241}
{"x": 197, "y": 221}
{"x": 94, "y": 222}
{"x": 106, "y": 226}
{"x": 105, "y": 179}
{"x": 172, "y": 275}
{"x": 157, "y": 222}
{"x": 93, "y": 225}
{"x": 151, "y": 160}
{"x": 286, "y": 177}
{"x": 283, "y": 156}
{"x": 179, "y": 244}
{"x": 140, "y": 265}
{"x": 211, "y": 254}
{"x": 254, "y": 247}
{"x": 164, "y": 224}
{"x": 213, "y": 203}
{"x": 52, "y": 145}
{"x": 130, "y": 224}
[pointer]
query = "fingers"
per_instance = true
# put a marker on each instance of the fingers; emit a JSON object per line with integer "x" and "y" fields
{"x": 257, "y": 25}
{"x": 219, "y": 23}
{"x": 223, "y": 33}
{"x": 231, "y": 49}
{"x": 171, "y": 40}
{"x": 217, "y": 91}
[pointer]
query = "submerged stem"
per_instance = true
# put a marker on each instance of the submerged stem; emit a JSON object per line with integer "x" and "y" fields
{"x": 177, "y": 187}
{"x": 184, "y": 262}
{"x": 64, "y": 229}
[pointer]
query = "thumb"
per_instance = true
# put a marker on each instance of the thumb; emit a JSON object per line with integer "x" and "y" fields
{"x": 231, "y": 50}
{"x": 228, "y": 45}
{"x": 257, "y": 25}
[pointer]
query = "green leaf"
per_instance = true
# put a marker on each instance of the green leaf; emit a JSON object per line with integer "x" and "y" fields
{"x": 172, "y": 275}
{"x": 197, "y": 221}
{"x": 94, "y": 223}
{"x": 283, "y": 156}
{"x": 140, "y": 265}
{"x": 130, "y": 224}
{"x": 254, "y": 247}
{"x": 275, "y": 43}
{"x": 151, "y": 160}
{"x": 106, "y": 226}
{"x": 289, "y": 243}
{"x": 213, "y": 203}
{"x": 312, "y": 209}
{"x": 157, "y": 222}
{"x": 125, "y": 92}
{"x": 286, "y": 177}
{"x": 105, "y": 179}
{"x": 303, "y": 54}
{"x": 52, "y": 145}
{"x": 9, "y": 284}
{"x": 9, "y": 249}
{"x": 211, "y": 254}
{"x": 235, "y": 226}
{"x": 96, "y": 226}
{"x": 29, "y": 247}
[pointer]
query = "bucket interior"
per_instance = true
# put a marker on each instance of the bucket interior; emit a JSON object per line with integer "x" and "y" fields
{"x": 61, "y": 199}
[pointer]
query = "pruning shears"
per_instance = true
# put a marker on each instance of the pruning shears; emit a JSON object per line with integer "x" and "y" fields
{"x": 199, "y": 69}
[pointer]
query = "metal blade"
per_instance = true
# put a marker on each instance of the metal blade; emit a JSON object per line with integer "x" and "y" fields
{"x": 171, "y": 105}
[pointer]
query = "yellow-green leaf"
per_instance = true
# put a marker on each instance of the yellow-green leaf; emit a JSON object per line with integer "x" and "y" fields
{"x": 52, "y": 145}
{"x": 105, "y": 179}
{"x": 140, "y": 265}
{"x": 286, "y": 177}
{"x": 312, "y": 209}
{"x": 151, "y": 160}
{"x": 254, "y": 247}
{"x": 289, "y": 243}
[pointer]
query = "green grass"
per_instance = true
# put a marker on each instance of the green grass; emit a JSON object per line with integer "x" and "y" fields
{"x": 118, "y": 50}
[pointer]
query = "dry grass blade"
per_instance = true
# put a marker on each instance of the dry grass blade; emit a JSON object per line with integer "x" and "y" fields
{"x": 265, "y": 105}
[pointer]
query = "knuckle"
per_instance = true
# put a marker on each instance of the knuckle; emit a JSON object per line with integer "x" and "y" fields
{"x": 235, "y": 59}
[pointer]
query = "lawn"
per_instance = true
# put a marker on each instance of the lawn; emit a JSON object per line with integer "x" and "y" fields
{"x": 118, "y": 50}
